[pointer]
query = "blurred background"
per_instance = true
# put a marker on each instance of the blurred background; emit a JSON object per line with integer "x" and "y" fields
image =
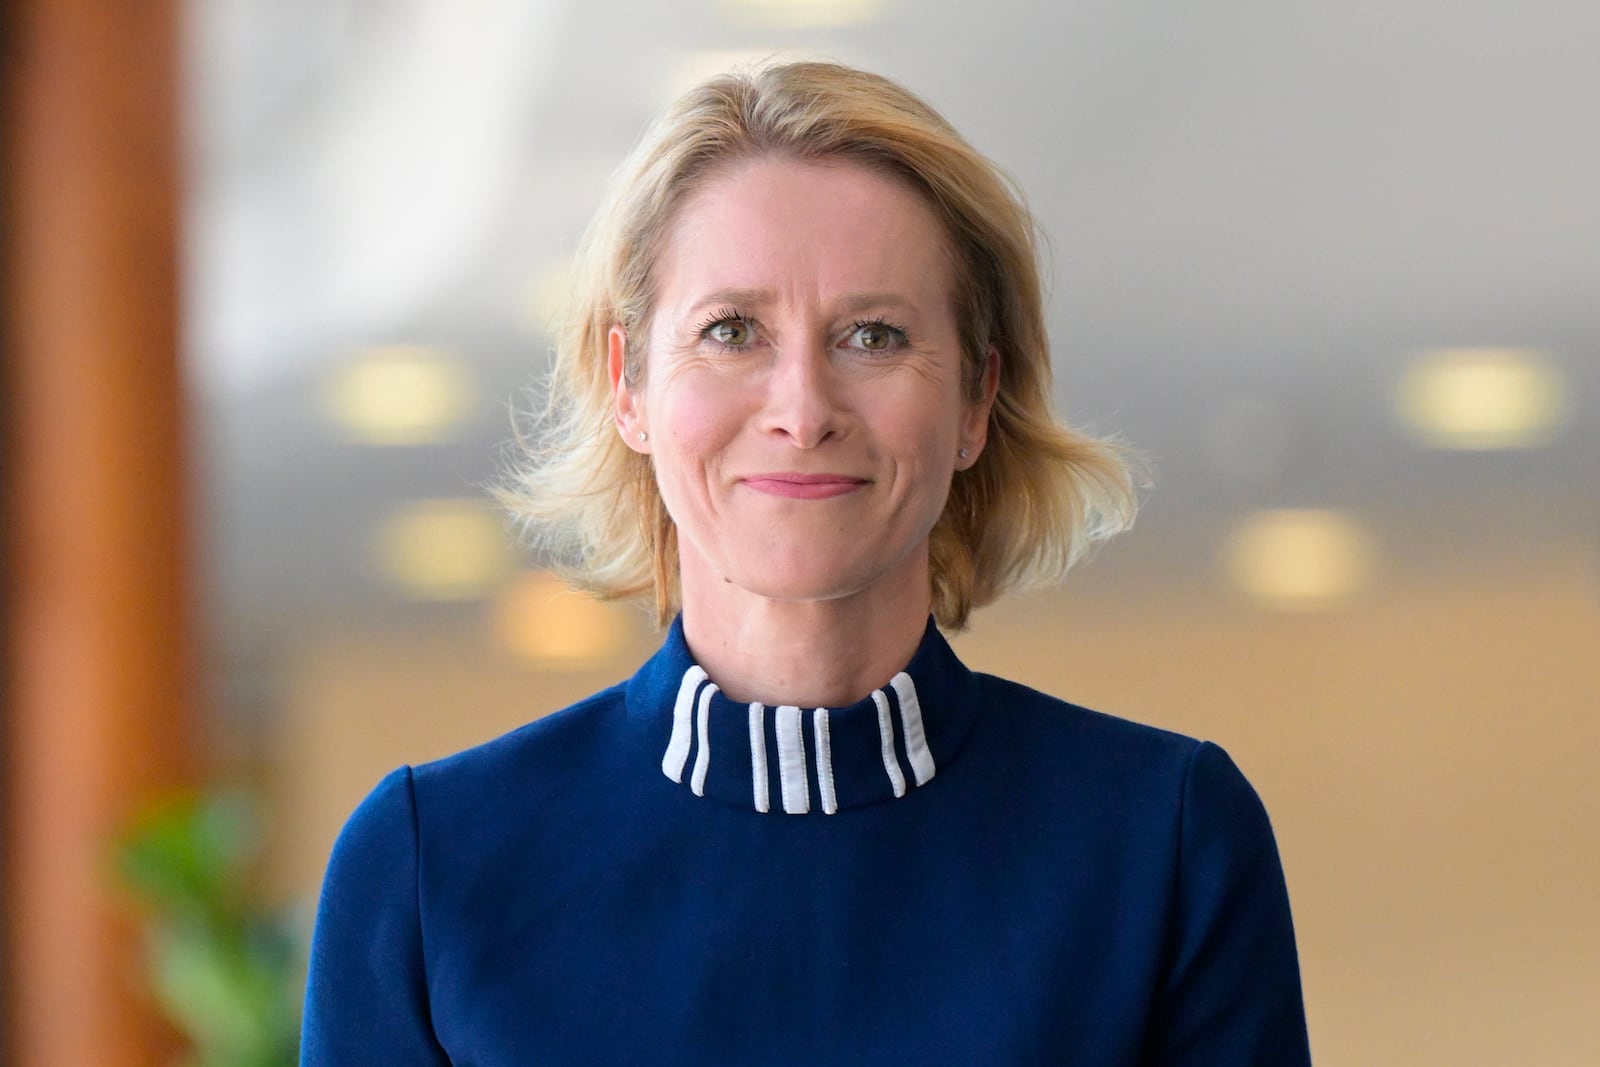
{"x": 279, "y": 274}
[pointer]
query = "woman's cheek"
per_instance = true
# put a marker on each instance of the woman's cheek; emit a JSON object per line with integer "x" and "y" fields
{"x": 702, "y": 414}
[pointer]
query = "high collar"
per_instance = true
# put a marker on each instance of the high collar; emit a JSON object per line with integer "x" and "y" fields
{"x": 804, "y": 761}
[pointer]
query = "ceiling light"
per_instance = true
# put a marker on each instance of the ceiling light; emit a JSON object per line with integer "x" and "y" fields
{"x": 1299, "y": 558}
{"x": 444, "y": 549}
{"x": 400, "y": 395}
{"x": 541, "y": 620}
{"x": 1482, "y": 398}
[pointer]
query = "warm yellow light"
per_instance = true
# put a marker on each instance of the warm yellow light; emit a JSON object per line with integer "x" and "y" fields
{"x": 540, "y": 619}
{"x": 401, "y": 395}
{"x": 443, "y": 550}
{"x": 1299, "y": 558}
{"x": 806, "y": 14}
{"x": 1482, "y": 398}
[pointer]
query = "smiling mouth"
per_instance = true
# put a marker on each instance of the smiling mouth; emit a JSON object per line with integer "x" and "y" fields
{"x": 804, "y": 486}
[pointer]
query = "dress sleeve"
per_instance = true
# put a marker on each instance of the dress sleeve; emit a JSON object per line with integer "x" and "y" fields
{"x": 1232, "y": 993}
{"x": 366, "y": 991}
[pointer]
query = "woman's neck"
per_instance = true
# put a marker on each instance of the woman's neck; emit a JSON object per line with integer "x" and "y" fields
{"x": 808, "y": 653}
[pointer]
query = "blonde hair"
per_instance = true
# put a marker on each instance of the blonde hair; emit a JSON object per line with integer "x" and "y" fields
{"x": 1040, "y": 493}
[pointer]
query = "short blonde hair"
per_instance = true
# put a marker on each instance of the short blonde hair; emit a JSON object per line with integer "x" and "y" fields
{"x": 1039, "y": 494}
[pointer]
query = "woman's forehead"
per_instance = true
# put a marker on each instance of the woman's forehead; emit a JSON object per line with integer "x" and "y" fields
{"x": 782, "y": 231}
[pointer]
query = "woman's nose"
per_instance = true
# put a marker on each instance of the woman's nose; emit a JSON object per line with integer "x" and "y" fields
{"x": 803, "y": 396}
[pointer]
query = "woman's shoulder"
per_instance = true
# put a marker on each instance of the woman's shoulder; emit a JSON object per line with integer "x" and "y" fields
{"x": 1093, "y": 753}
{"x": 1044, "y": 719}
{"x": 554, "y": 746}
{"x": 498, "y": 810}
{"x": 541, "y": 756}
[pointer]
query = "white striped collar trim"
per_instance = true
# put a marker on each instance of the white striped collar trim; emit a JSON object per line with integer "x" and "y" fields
{"x": 890, "y": 723}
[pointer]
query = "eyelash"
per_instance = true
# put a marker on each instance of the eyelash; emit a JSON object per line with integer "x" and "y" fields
{"x": 898, "y": 333}
{"x": 728, "y": 314}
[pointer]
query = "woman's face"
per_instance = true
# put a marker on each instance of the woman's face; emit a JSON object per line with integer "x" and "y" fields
{"x": 802, "y": 396}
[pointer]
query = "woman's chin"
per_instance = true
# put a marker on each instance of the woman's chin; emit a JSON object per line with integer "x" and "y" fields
{"x": 813, "y": 584}
{"x": 810, "y": 570}
{"x": 797, "y": 588}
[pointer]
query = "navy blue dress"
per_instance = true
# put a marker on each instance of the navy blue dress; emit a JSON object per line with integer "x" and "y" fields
{"x": 956, "y": 870}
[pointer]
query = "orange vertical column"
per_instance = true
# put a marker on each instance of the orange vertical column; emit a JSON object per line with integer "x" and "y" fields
{"x": 96, "y": 642}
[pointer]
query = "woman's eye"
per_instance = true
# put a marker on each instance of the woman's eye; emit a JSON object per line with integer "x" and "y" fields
{"x": 730, "y": 332}
{"x": 876, "y": 337}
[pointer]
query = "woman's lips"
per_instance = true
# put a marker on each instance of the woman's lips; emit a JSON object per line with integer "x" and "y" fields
{"x": 804, "y": 486}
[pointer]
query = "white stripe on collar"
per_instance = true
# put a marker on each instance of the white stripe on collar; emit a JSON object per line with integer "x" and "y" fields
{"x": 891, "y": 761}
{"x": 911, "y": 722}
{"x": 702, "y": 754}
{"x": 677, "y": 753}
{"x": 691, "y": 715}
{"x": 758, "y": 757}
{"x": 819, "y": 723}
{"x": 792, "y": 761}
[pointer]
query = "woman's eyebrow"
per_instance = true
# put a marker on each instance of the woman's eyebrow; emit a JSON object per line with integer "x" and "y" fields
{"x": 742, "y": 299}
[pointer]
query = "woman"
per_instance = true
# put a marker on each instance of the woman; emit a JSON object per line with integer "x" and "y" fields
{"x": 803, "y": 402}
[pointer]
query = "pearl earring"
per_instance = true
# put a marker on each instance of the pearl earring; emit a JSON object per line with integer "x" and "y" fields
{"x": 643, "y": 436}
{"x": 962, "y": 453}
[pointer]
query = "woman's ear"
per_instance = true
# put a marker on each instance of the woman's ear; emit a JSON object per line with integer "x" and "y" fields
{"x": 975, "y": 419}
{"x": 629, "y": 412}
